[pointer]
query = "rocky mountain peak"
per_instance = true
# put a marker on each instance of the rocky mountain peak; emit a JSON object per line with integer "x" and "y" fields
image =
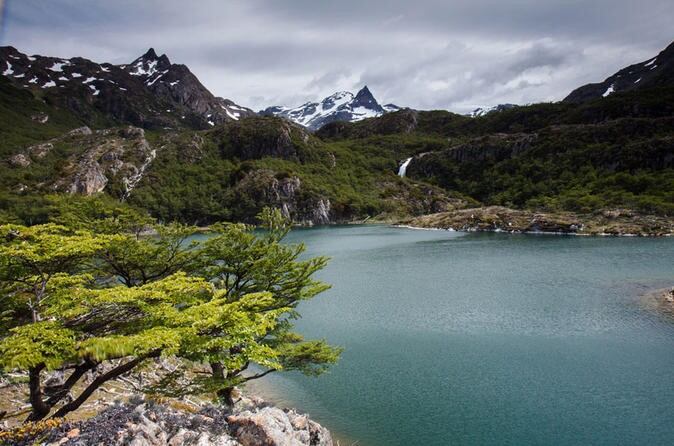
{"x": 150, "y": 54}
{"x": 149, "y": 64}
{"x": 342, "y": 106}
{"x": 366, "y": 100}
{"x": 365, "y": 96}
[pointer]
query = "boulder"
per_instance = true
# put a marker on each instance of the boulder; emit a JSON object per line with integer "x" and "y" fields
{"x": 39, "y": 151}
{"x": 271, "y": 426}
{"x": 40, "y": 118}
{"x": 19, "y": 160}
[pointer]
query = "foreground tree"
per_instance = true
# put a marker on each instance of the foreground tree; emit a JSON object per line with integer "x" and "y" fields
{"x": 57, "y": 319}
{"x": 104, "y": 298}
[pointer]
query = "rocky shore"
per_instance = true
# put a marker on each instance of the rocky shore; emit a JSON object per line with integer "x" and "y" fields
{"x": 617, "y": 222}
{"x": 146, "y": 422}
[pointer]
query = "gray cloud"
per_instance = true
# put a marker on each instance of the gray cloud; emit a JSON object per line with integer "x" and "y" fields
{"x": 449, "y": 54}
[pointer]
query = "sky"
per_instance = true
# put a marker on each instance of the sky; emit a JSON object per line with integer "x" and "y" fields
{"x": 426, "y": 54}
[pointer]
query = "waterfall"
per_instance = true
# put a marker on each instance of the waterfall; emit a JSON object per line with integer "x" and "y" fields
{"x": 403, "y": 167}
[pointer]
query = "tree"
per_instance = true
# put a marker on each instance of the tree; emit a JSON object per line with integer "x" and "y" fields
{"x": 59, "y": 319}
{"x": 30, "y": 260}
{"x": 239, "y": 261}
{"x": 77, "y": 301}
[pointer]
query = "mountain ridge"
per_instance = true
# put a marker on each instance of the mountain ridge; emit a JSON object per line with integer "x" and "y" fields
{"x": 150, "y": 92}
{"x": 653, "y": 72}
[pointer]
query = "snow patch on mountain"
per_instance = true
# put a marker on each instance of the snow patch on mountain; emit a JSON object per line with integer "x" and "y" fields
{"x": 482, "y": 111}
{"x": 609, "y": 90}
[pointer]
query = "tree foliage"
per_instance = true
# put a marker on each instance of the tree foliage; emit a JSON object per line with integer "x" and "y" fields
{"x": 80, "y": 301}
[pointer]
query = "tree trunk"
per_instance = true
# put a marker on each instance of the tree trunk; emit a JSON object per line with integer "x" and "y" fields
{"x": 39, "y": 409}
{"x": 226, "y": 395}
{"x": 102, "y": 379}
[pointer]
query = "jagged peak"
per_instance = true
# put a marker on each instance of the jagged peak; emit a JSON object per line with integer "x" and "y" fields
{"x": 366, "y": 99}
{"x": 364, "y": 93}
{"x": 150, "y": 54}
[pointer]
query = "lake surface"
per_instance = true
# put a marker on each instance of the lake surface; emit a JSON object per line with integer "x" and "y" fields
{"x": 489, "y": 339}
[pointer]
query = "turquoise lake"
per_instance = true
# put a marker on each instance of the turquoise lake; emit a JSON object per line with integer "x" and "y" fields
{"x": 488, "y": 339}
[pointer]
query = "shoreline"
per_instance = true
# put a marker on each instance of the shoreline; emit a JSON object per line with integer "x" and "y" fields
{"x": 607, "y": 223}
{"x": 501, "y": 231}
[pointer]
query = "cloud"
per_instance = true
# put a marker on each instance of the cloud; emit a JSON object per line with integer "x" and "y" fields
{"x": 448, "y": 54}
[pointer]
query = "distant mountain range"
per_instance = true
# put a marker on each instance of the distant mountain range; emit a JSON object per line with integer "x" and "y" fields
{"x": 655, "y": 72}
{"x": 150, "y": 92}
{"x": 341, "y": 106}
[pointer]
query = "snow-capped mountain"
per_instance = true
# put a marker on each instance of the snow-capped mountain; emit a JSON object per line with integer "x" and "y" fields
{"x": 341, "y": 106}
{"x": 480, "y": 111}
{"x": 654, "y": 72}
{"x": 149, "y": 92}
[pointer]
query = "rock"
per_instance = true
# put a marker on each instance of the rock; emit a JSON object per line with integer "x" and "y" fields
{"x": 88, "y": 180}
{"x": 40, "y": 118}
{"x": 115, "y": 157}
{"x": 153, "y": 424}
{"x": 271, "y": 426}
{"x": 73, "y": 433}
{"x": 266, "y": 188}
{"x": 321, "y": 212}
{"x": 19, "y": 160}
{"x": 39, "y": 151}
{"x": 79, "y": 131}
{"x": 182, "y": 437}
{"x": 131, "y": 132}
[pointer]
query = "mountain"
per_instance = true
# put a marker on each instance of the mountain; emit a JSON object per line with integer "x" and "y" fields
{"x": 341, "y": 106}
{"x": 602, "y": 157}
{"x": 654, "y": 72}
{"x": 480, "y": 111}
{"x": 149, "y": 92}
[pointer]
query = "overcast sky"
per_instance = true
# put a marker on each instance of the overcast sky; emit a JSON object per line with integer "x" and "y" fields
{"x": 425, "y": 54}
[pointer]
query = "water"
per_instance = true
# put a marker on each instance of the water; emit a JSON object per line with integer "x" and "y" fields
{"x": 488, "y": 339}
{"x": 403, "y": 167}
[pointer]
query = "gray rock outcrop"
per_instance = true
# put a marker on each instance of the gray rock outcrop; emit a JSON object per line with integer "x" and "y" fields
{"x": 142, "y": 423}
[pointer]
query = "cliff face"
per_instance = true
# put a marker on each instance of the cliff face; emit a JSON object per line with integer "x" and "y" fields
{"x": 263, "y": 187}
